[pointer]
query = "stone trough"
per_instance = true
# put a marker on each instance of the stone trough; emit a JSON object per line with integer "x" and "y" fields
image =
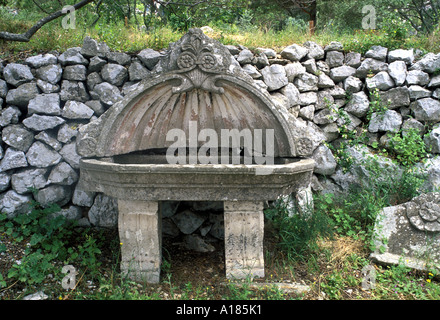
{"x": 196, "y": 131}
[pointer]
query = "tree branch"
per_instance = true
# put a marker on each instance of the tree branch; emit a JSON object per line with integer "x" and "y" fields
{"x": 25, "y": 37}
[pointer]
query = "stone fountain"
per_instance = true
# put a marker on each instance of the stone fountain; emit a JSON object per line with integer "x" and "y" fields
{"x": 178, "y": 137}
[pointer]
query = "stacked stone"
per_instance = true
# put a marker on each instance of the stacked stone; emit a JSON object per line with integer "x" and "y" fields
{"x": 44, "y": 102}
{"x": 316, "y": 85}
{"x": 47, "y": 98}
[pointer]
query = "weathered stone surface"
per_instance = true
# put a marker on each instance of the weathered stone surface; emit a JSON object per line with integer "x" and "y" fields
{"x": 22, "y": 95}
{"x": 47, "y": 87}
{"x": 324, "y": 81}
{"x": 370, "y": 65}
{"x": 252, "y": 71}
{"x": 76, "y": 110}
{"x": 334, "y": 46}
{"x": 114, "y": 74}
{"x": 397, "y": 70}
{"x": 73, "y": 90}
{"x": 306, "y": 82}
{"x": 96, "y": 64}
{"x": 13, "y": 159}
{"x": 25, "y": 179}
{"x": 118, "y": 57}
{"x": 381, "y": 81}
{"x": 389, "y": 121}
{"x": 294, "y": 52}
{"x": 3, "y": 88}
{"x": 417, "y": 77}
{"x": 197, "y": 243}
{"x": 63, "y": 174}
{"x": 72, "y": 56}
{"x": 137, "y": 71}
{"x": 432, "y": 140}
{"x": 245, "y": 57}
{"x": 275, "y": 77}
{"x": 72, "y": 213}
{"x": 5, "y": 180}
{"x": 325, "y": 163}
{"x": 352, "y": 84}
{"x": 377, "y": 52}
{"x": 292, "y": 94}
{"x": 188, "y": 221}
{"x": 149, "y": 58}
{"x": 9, "y": 115}
{"x": 69, "y": 154}
{"x": 48, "y": 104}
{"x": 334, "y": 59}
{"x": 406, "y": 56}
{"x": 408, "y": 234}
{"x": 108, "y": 93}
{"x": 395, "y": 97}
{"x": 16, "y": 74}
{"x": 54, "y": 194}
{"x": 307, "y": 112}
{"x": 14, "y": 204}
{"x": 41, "y": 60}
{"x": 17, "y": 137}
{"x": 92, "y": 48}
{"x": 429, "y": 63}
{"x": 353, "y": 59}
{"x": 315, "y": 50}
{"x": 435, "y": 82}
{"x": 358, "y": 104}
{"x": 426, "y": 109}
{"x": 104, "y": 212}
{"x": 39, "y": 123}
{"x": 341, "y": 73}
{"x": 308, "y": 98}
{"x": 83, "y": 198}
{"x": 67, "y": 132}
{"x": 293, "y": 70}
{"x": 49, "y": 139}
{"x": 51, "y": 73}
{"x": 417, "y": 92}
{"x": 41, "y": 156}
{"x": 76, "y": 72}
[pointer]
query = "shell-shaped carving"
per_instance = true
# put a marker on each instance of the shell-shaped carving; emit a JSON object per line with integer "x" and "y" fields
{"x": 424, "y": 212}
{"x": 144, "y": 123}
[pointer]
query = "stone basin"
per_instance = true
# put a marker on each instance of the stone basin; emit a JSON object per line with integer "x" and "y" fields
{"x": 151, "y": 178}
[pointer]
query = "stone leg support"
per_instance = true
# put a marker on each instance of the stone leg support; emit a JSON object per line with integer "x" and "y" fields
{"x": 244, "y": 232}
{"x": 140, "y": 232}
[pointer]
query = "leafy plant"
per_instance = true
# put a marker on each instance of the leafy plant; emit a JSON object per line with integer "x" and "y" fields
{"x": 408, "y": 147}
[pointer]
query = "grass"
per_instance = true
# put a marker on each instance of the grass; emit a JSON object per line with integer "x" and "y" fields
{"x": 128, "y": 38}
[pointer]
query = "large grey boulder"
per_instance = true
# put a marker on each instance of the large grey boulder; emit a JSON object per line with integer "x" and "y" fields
{"x": 3, "y": 88}
{"x": 341, "y": 73}
{"x": 325, "y": 163}
{"x": 149, "y": 58}
{"x": 18, "y": 137}
{"x": 370, "y": 65}
{"x": 48, "y": 104}
{"x": 63, "y": 174}
{"x": 118, "y": 57}
{"x": 92, "y": 48}
{"x": 358, "y": 104}
{"x": 13, "y": 159}
{"x": 406, "y": 56}
{"x": 188, "y": 221}
{"x": 73, "y": 90}
{"x": 41, "y": 60}
{"x": 294, "y": 52}
{"x": 395, "y": 97}
{"x": 104, "y": 212}
{"x": 315, "y": 50}
{"x": 14, "y": 204}
{"x": 426, "y": 109}
{"x": 377, "y": 52}
{"x": 54, "y": 194}
{"x": 432, "y": 140}
{"x": 41, "y": 156}
{"x": 397, "y": 70}
{"x": 306, "y": 82}
{"x": 292, "y": 94}
{"x": 69, "y": 154}
{"x": 417, "y": 77}
{"x": 417, "y": 92}
{"x": 293, "y": 70}
{"x": 25, "y": 179}
{"x": 352, "y": 84}
{"x": 108, "y": 94}
{"x": 41, "y": 122}
{"x": 137, "y": 71}
{"x": 429, "y": 63}
{"x": 76, "y": 72}
{"x": 51, "y": 73}
{"x": 76, "y": 110}
{"x": 114, "y": 74}
{"x": 389, "y": 121}
{"x": 435, "y": 82}
{"x": 275, "y": 77}
{"x": 381, "y": 81}
{"x": 245, "y": 57}
{"x": 21, "y": 96}
{"x": 72, "y": 56}
{"x": 334, "y": 59}
{"x": 16, "y": 74}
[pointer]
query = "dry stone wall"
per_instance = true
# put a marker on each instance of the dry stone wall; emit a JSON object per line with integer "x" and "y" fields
{"x": 46, "y": 98}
